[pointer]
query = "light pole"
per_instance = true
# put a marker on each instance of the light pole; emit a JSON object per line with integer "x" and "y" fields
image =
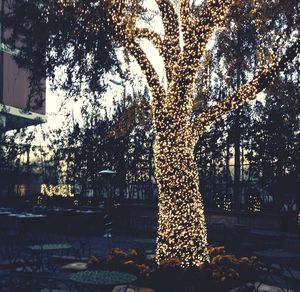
{"x": 107, "y": 221}
{"x": 107, "y": 173}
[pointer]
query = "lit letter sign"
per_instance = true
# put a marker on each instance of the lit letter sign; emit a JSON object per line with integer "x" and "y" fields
{"x": 59, "y": 190}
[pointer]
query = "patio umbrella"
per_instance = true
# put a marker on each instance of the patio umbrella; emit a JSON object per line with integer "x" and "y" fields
{"x": 107, "y": 171}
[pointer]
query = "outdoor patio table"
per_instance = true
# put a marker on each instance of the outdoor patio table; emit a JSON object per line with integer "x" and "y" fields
{"x": 266, "y": 238}
{"x": 266, "y": 232}
{"x": 42, "y": 251}
{"x": 26, "y": 216}
{"x": 32, "y": 222}
{"x": 102, "y": 279}
{"x": 75, "y": 267}
{"x": 25, "y": 225}
{"x": 50, "y": 247}
{"x": 145, "y": 240}
{"x": 29, "y": 216}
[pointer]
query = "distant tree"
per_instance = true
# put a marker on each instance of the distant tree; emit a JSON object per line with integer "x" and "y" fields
{"x": 235, "y": 57}
{"x": 274, "y": 152}
{"x": 139, "y": 158}
{"x": 51, "y": 34}
{"x": 209, "y": 153}
{"x": 13, "y": 147}
{"x": 84, "y": 145}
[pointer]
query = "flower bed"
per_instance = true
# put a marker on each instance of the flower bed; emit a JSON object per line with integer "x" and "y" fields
{"x": 222, "y": 273}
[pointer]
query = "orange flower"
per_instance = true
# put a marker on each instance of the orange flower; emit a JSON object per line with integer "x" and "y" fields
{"x": 93, "y": 260}
{"x": 171, "y": 263}
{"x": 132, "y": 252}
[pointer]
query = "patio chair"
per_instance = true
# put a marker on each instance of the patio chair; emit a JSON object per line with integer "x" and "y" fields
{"x": 27, "y": 281}
{"x": 19, "y": 271}
{"x": 277, "y": 272}
{"x": 147, "y": 245}
{"x": 293, "y": 276}
{"x": 13, "y": 256}
{"x": 58, "y": 283}
{"x": 188, "y": 281}
{"x": 79, "y": 252}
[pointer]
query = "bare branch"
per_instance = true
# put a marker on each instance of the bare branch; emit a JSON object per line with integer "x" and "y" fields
{"x": 247, "y": 92}
{"x": 119, "y": 20}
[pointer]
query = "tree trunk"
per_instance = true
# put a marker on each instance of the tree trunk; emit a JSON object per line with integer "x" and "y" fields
{"x": 182, "y": 231}
{"x": 237, "y": 161}
{"x": 227, "y": 171}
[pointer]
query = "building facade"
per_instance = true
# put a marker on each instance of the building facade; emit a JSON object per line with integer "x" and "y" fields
{"x": 15, "y": 113}
{"x": 14, "y": 89}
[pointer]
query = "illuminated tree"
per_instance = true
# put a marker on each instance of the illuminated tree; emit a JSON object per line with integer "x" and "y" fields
{"x": 188, "y": 30}
{"x": 274, "y": 152}
{"x": 182, "y": 230}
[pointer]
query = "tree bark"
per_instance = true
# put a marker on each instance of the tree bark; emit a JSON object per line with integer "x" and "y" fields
{"x": 182, "y": 231}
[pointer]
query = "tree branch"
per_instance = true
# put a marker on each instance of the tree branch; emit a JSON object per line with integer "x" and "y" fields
{"x": 247, "y": 92}
{"x": 125, "y": 31}
{"x": 197, "y": 33}
{"x": 119, "y": 20}
{"x": 171, "y": 41}
{"x": 158, "y": 92}
{"x": 187, "y": 21}
{"x": 212, "y": 15}
{"x": 134, "y": 13}
{"x": 150, "y": 36}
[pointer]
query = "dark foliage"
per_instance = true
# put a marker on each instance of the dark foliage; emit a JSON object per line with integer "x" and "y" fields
{"x": 75, "y": 38}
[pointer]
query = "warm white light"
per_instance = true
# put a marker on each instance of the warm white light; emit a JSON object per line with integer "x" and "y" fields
{"x": 59, "y": 190}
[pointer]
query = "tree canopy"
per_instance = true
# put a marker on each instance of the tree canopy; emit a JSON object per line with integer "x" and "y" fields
{"x": 77, "y": 38}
